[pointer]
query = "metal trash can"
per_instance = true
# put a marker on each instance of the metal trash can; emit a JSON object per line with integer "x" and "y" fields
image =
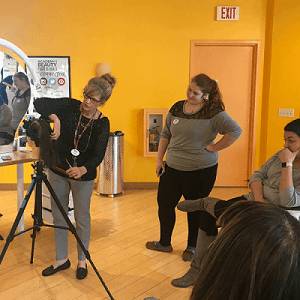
{"x": 110, "y": 182}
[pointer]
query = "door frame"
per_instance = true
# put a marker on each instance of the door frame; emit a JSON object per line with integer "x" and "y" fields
{"x": 255, "y": 45}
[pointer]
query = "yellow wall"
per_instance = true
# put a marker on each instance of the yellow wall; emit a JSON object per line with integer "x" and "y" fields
{"x": 147, "y": 44}
{"x": 284, "y": 71}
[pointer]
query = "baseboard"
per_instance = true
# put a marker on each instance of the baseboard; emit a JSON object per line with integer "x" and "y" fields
{"x": 140, "y": 185}
{"x": 11, "y": 186}
{"x": 127, "y": 186}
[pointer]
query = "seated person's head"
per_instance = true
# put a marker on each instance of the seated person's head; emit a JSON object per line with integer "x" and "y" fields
{"x": 39, "y": 131}
{"x": 21, "y": 81}
{"x": 292, "y": 135}
{"x": 256, "y": 256}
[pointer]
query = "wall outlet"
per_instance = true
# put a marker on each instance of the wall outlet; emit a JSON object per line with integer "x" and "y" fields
{"x": 286, "y": 112}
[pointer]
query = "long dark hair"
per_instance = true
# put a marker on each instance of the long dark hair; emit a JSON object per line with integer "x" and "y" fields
{"x": 255, "y": 257}
{"x": 214, "y": 103}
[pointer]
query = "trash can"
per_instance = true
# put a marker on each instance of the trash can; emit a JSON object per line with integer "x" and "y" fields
{"x": 110, "y": 182}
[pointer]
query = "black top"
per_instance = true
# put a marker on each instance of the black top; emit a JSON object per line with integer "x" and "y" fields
{"x": 92, "y": 144}
{"x": 177, "y": 110}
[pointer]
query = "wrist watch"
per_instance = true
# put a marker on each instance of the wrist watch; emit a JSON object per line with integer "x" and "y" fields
{"x": 286, "y": 164}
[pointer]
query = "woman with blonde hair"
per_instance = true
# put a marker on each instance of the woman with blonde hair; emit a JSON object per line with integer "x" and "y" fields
{"x": 81, "y": 133}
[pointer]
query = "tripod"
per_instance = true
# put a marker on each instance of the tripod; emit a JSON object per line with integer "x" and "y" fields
{"x": 37, "y": 178}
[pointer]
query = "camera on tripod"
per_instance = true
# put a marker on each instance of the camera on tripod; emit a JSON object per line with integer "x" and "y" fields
{"x": 39, "y": 132}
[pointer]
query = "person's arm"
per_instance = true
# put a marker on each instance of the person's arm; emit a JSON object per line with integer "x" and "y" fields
{"x": 223, "y": 143}
{"x": 56, "y": 126}
{"x": 286, "y": 179}
{"x": 289, "y": 196}
{"x": 162, "y": 148}
{"x": 256, "y": 188}
{"x": 164, "y": 140}
{"x": 54, "y": 109}
{"x": 226, "y": 126}
{"x": 257, "y": 179}
{"x": 58, "y": 106}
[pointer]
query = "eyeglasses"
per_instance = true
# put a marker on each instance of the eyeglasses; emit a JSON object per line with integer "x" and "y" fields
{"x": 87, "y": 97}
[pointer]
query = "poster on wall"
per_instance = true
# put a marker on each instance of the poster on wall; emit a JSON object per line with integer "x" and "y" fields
{"x": 53, "y": 73}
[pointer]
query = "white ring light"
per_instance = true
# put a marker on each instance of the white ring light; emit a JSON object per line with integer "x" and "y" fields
{"x": 24, "y": 57}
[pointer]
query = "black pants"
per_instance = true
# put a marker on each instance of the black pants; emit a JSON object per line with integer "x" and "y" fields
{"x": 220, "y": 207}
{"x": 191, "y": 185}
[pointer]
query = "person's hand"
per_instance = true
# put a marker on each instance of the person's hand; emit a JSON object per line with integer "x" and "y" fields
{"x": 56, "y": 127}
{"x": 76, "y": 172}
{"x": 159, "y": 165}
{"x": 211, "y": 148}
{"x": 286, "y": 155}
{"x": 13, "y": 89}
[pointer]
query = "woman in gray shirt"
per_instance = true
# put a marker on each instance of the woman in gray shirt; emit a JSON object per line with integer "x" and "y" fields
{"x": 192, "y": 158}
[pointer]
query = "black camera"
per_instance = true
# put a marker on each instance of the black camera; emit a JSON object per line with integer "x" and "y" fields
{"x": 39, "y": 131}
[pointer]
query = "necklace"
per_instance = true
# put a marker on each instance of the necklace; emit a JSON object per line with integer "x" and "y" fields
{"x": 77, "y": 136}
{"x": 189, "y": 109}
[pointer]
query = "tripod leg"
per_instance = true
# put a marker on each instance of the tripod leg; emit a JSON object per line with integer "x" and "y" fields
{"x": 73, "y": 230}
{"x": 37, "y": 215}
{"x": 11, "y": 234}
{"x": 1, "y": 238}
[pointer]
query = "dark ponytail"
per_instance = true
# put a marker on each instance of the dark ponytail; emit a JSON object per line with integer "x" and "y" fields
{"x": 214, "y": 103}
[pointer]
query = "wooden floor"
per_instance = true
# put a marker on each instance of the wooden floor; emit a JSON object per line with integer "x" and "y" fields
{"x": 120, "y": 228}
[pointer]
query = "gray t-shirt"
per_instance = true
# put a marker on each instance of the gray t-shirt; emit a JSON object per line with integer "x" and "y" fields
{"x": 269, "y": 175}
{"x": 189, "y": 134}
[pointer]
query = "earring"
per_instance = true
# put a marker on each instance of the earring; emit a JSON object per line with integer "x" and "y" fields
{"x": 205, "y": 97}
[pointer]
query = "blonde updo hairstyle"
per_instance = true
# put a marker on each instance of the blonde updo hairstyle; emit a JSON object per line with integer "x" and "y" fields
{"x": 100, "y": 87}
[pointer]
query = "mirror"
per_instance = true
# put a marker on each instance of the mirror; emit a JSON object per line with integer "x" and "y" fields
{"x": 15, "y": 93}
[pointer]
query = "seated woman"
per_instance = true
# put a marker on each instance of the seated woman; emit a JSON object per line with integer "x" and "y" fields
{"x": 277, "y": 182}
{"x": 255, "y": 256}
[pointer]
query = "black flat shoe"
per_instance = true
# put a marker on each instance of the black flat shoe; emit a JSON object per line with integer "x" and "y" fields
{"x": 81, "y": 273}
{"x": 51, "y": 270}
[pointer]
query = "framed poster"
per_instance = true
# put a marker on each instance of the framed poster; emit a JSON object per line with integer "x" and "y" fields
{"x": 53, "y": 73}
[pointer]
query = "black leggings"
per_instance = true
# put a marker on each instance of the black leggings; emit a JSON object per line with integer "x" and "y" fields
{"x": 191, "y": 185}
{"x": 220, "y": 207}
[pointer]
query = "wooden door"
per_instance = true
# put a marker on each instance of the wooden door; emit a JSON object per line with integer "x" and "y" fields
{"x": 233, "y": 65}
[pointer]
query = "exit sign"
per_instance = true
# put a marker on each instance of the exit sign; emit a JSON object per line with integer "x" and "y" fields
{"x": 228, "y": 13}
